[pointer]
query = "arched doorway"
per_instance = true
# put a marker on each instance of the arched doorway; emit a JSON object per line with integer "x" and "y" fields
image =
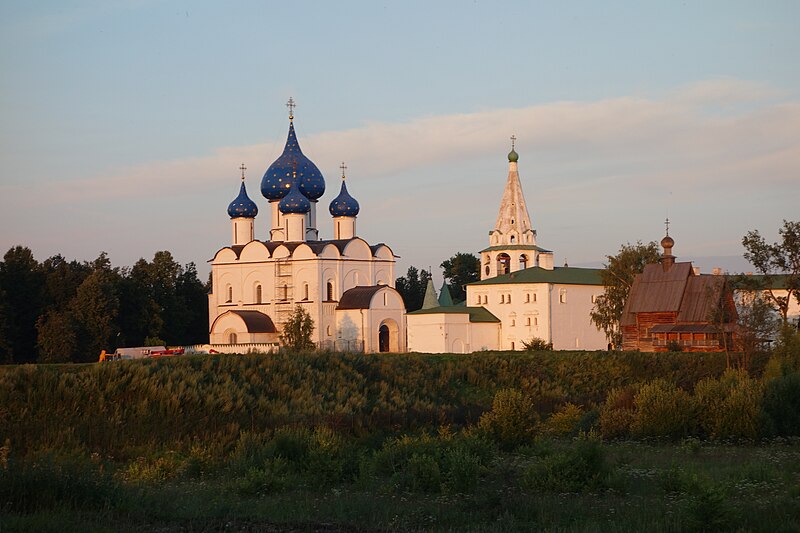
{"x": 389, "y": 336}
{"x": 383, "y": 338}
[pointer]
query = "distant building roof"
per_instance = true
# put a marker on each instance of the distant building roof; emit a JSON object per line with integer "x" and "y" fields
{"x": 476, "y": 314}
{"x": 430, "y": 301}
{"x": 445, "y": 300}
{"x": 359, "y": 297}
{"x": 256, "y": 321}
{"x": 516, "y": 247}
{"x": 559, "y": 275}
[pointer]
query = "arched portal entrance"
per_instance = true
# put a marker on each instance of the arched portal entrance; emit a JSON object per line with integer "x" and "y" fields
{"x": 383, "y": 338}
{"x": 389, "y": 336}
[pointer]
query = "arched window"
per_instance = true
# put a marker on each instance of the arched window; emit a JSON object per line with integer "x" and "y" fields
{"x": 285, "y": 292}
{"x": 258, "y": 294}
{"x": 503, "y": 264}
{"x": 528, "y": 321}
{"x": 232, "y": 338}
{"x": 485, "y": 299}
{"x": 329, "y": 291}
{"x": 479, "y": 300}
{"x": 328, "y": 330}
{"x": 523, "y": 262}
{"x": 385, "y": 299}
{"x": 513, "y": 239}
{"x": 228, "y": 294}
{"x": 487, "y": 270}
{"x": 502, "y": 298}
{"x": 527, "y": 298}
{"x": 305, "y": 291}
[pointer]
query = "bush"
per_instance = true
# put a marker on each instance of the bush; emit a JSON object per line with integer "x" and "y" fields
{"x": 272, "y": 476}
{"x": 616, "y": 413}
{"x": 661, "y": 410}
{"x": 537, "y": 345}
{"x": 674, "y": 346}
{"x": 565, "y": 421}
{"x": 512, "y": 420}
{"x": 291, "y": 443}
{"x": 463, "y": 470}
{"x": 582, "y": 467}
{"x": 422, "y": 474}
{"x": 729, "y": 406}
{"x": 782, "y": 405}
{"x": 166, "y": 467}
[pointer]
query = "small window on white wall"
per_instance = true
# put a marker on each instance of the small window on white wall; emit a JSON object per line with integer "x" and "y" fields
{"x": 328, "y": 331}
{"x": 258, "y": 294}
{"x": 513, "y": 322}
{"x": 528, "y": 321}
{"x": 385, "y": 299}
{"x": 305, "y": 291}
{"x": 485, "y": 299}
{"x": 527, "y": 298}
{"x": 562, "y": 296}
{"x": 502, "y": 298}
{"x": 508, "y": 299}
{"x": 594, "y": 298}
{"x": 228, "y": 294}
{"x": 535, "y": 321}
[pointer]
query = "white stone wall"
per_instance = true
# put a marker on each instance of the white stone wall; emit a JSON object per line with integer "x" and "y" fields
{"x": 450, "y": 333}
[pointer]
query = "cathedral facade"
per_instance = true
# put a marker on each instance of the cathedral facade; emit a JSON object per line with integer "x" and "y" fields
{"x": 345, "y": 283}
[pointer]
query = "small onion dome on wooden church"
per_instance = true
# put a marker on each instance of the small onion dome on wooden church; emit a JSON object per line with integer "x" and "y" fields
{"x": 242, "y": 206}
{"x": 344, "y": 205}
{"x": 277, "y": 179}
{"x": 294, "y": 202}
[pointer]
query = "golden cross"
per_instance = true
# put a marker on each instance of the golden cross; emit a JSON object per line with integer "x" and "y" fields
{"x": 242, "y": 168}
{"x": 343, "y": 167}
{"x": 666, "y": 223}
{"x": 291, "y": 105}
{"x": 513, "y": 140}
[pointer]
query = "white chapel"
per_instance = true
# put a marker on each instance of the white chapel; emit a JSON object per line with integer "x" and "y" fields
{"x": 521, "y": 295}
{"x": 344, "y": 283}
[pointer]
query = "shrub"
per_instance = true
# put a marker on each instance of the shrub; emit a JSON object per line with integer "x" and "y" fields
{"x": 782, "y": 404}
{"x": 537, "y": 345}
{"x": 582, "y": 467}
{"x": 325, "y": 456}
{"x": 421, "y": 474}
{"x": 463, "y": 470}
{"x": 662, "y": 410}
{"x": 565, "y": 421}
{"x": 616, "y": 413}
{"x": 251, "y": 451}
{"x": 291, "y": 443}
{"x": 512, "y": 420}
{"x": 169, "y": 466}
{"x": 272, "y": 476}
{"x": 729, "y": 406}
{"x": 674, "y": 346}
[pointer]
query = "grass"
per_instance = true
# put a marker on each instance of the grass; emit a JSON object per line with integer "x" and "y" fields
{"x": 645, "y": 486}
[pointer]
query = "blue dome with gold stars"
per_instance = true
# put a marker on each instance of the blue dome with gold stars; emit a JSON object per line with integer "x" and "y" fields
{"x": 278, "y": 179}
{"x": 242, "y": 206}
{"x": 344, "y": 205}
{"x": 294, "y": 202}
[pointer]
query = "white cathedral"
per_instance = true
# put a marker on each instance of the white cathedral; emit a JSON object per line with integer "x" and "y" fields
{"x": 345, "y": 284}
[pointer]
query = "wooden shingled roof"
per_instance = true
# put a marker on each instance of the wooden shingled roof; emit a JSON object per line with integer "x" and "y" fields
{"x": 676, "y": 290}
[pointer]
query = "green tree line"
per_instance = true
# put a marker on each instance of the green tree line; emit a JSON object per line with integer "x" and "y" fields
{"x": 59, "y": 310}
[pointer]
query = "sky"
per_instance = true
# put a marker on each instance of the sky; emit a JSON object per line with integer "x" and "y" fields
{"x": 124, "y": 122}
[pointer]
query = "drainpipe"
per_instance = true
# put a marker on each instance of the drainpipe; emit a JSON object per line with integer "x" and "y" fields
{"x": 550, "y": 313}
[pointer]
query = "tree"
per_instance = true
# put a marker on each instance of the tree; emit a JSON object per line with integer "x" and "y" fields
{"x": 95, "y": 309}
{"x": 57, "y": 340}
{"x": 458, "y": 271}
{"x": 297, "y": 331}
{"x": 412, "y": 287}
{"x": 778, "y": 263}
{"x": 22, "y": 280}
{"x": 617, "y": 276}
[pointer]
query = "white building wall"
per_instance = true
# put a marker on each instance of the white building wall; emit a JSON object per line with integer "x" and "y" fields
{"x": 571, "y": 325}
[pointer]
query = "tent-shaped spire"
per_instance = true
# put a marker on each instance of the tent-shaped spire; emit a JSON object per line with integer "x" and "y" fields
{"x": 430, "y": 300}
{"x": 445, "y": 300}
{"x": 513, "y": 216}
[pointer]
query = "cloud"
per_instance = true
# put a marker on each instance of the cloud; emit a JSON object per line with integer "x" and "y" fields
{"x": 674, "y": 131}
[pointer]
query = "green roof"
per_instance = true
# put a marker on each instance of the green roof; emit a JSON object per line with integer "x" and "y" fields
{"x": 476, "y": 314}
{"x": 445, "y": 300}
{"x": 559, "y": 275}
{"x": 515, "y": 247}
{"x": 430, "y": 300}
{"x": 758, "y": 281}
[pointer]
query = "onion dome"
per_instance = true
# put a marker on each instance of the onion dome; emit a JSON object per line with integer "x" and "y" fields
{"x": 513, "y": 156}
{"x": 278, "y": 179}
{"x": 344, "y": 205}
{"x": 242, "y": 206}
{"x": 667, "y": 242}
{"x": 294, "y": 202}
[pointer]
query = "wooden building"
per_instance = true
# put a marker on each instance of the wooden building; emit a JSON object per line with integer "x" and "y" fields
{"x": 669, "y": 305}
